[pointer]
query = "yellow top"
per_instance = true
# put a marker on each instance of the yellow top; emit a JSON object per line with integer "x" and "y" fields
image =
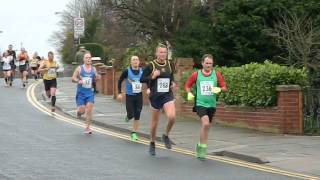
{"x": 51, "y": 73}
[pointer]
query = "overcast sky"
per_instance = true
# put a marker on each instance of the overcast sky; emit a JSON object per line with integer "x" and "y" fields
{"x": 30, "y": 22}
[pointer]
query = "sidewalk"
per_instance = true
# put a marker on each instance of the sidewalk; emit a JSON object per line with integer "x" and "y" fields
{"x": 295, "y": 153}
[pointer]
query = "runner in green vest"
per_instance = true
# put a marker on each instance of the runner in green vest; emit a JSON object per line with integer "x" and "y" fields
{"x": 208, "y": 83}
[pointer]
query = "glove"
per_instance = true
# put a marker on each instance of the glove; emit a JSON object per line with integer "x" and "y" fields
{"x": 190, "y": 96}
{"x": 216, "y": 90}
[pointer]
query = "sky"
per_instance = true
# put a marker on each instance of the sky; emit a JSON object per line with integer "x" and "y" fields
{"x": 29, "y": 23}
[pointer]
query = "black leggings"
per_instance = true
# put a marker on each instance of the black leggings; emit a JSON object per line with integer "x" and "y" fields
{"x": 134, "y": 106}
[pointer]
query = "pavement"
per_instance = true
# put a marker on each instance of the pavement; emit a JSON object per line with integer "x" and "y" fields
{"x": 289, "y": 152}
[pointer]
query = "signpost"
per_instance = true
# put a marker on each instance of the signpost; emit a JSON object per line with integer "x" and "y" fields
{"x": 78, "y": 27}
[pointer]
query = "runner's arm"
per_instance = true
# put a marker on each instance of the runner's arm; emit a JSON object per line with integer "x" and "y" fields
{"x": 172, "y": 79}
{"x": 221, "y": 82}
{"x": 75, "y": 75}
{"x": 190, "y": 81}
{"x": 145, "y": 78}
{"x": 96, "y": 74}
{"x": 123, "y": 76}
{"x": 42, "y": 67}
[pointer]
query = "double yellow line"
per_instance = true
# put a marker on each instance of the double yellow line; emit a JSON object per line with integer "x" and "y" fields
{"x": 32, "y": 99}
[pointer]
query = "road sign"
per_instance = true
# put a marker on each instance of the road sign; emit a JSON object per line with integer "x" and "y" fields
{"x": 78, "y": 27}
{"x": 78, "y": 24}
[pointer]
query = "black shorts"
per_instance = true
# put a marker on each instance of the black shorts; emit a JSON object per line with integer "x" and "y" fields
{"x": 203, "y": 111}
{"x": 134, "y": 106}
{"x": 158, "y": 102}
{"x": 23, "y": 68}
{"x": 34, "y": 68}
{"x": 50, "y": 84}
{"x": 13, "y": 67}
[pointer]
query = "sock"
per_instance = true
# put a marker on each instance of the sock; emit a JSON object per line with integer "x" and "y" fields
{"x": 6, "y": 79}
{"x": 53, "y": 101}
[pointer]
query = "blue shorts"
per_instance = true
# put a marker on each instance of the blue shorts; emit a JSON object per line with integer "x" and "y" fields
{"x": 157, "y": 103}
{"x": 82, "y": 99}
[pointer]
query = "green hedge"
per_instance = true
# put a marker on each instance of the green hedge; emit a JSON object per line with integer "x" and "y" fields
{"x": 255, "y": 84}
{"x": 96, "y": 50}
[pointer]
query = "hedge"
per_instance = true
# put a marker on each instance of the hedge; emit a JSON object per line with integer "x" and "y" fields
{"x": 255, "y": 84}
{"x": 96, "y": 50}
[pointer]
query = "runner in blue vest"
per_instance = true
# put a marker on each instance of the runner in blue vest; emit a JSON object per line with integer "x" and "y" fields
{"x": 134, "y": 100}
{"x": 84, "y": 75}
{"x": 208, "y": 83}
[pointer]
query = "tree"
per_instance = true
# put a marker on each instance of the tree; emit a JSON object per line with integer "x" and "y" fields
{"x": 157, "y": 19}
{"x": 299, "y": 36}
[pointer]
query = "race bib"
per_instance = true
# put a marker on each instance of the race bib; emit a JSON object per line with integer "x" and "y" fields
{"x": 136, "y": 87}
{"x": 6, "y": 66}
{"x": 21, "y": 63}
{"x": 205, "y": 88}
{"x": 52, "y": 73}
{"x": 163, "y": 84}
{"x": 87, "y": 82}
{"x": 33, "y": 64}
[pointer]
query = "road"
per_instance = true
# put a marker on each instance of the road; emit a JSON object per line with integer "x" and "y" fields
{"x": 36, "y": 145}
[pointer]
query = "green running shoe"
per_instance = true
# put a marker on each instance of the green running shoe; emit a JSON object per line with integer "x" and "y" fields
{"x": 134, "y": 137}
{"x": 126, "y": 119}
{"x": 201, "y": 152}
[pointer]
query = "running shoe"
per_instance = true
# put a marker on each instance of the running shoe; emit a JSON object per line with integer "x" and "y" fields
{"x": 201, "y": 152}
{"x": 152, "y": 149}
{"x": 87, "y": 131}
{"x": 126, "y": 119}
{"x": 134, "y": 137}
{"x": 166, "y": 141}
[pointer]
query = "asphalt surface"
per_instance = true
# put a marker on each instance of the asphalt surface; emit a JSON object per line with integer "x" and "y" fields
{"x": 34, "y": 145}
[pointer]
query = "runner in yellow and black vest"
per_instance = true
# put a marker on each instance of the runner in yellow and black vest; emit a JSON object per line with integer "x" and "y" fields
{"x": 49, "y": 70}
{"x": 159, "y": 77}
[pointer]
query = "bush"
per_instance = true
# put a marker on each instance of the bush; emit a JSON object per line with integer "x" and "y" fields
{"x": 96, "y": 50}
{"x": 255, "y": 84}
{"x": 184, "y": 78}
{"x": 144, "y": 51}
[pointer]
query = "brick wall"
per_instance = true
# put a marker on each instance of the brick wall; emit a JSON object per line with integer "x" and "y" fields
{"x": 285, "y": 118}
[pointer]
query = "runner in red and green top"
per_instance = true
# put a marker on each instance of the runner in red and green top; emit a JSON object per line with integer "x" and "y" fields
{"x": 208, "y": 83}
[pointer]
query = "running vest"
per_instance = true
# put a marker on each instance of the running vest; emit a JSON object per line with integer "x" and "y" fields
{"x": 23, "y": 56}
{"x": 22, "y": 59}
{"x": 161, "y": 84}
{"x": 133, "y": 85}
{"x": 51, "y": 73}
{"x": 86, "y": 86}
{"x": 6, "y": 62}
{"x": 205, "y": 97}
{"x": 34, "y": 63}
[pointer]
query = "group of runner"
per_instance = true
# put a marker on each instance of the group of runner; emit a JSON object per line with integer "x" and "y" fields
{"x": 11, "y": 62}
{"x": 159, "y": 79}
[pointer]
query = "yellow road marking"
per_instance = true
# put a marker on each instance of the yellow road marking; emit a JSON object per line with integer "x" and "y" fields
{"x": 32, "y": 99}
